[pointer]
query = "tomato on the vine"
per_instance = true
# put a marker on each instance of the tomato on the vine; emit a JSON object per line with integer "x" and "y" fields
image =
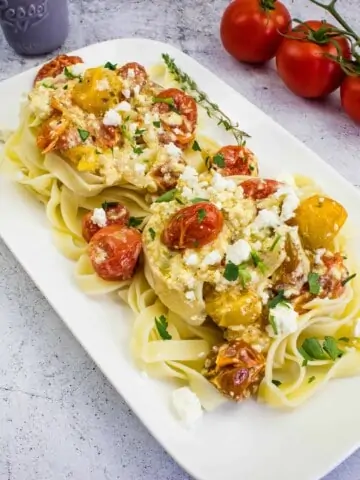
{"x": 350, "y": 97}
{"x": 251, "y": 30}
{"x": 305, "y": 61}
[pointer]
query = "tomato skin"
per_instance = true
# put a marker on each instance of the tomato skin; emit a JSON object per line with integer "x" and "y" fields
{"x": 56, "y": 66}
{"x": 258, "y": 188}
{"x": 115, "y": 215}
{"x": 303, "y": 66}
{"x": 250, "y": 33}
{"x": 140, "y": 75}
{"x": 114, "y": 252}
{"x": 237, "y": 160}
{"x": 350, "y": 97}
{"x": 193, "y": 226}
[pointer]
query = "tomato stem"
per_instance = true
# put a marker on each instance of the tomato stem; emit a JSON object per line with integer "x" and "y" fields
{"x": 267, "y": 5}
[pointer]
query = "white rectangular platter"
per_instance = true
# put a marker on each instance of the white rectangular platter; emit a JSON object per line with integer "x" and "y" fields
{"x": 246, "y": 441}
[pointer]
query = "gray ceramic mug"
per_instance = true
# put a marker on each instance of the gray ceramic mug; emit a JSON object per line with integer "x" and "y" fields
{"x": 34, "y": 27}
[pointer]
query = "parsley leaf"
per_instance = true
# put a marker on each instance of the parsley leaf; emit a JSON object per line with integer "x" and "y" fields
{"x": 84, "y": 134}
{"x": 219, "y": 160}
{"x": 276, "y": 241}
{"x": 277, "y": 383}
{"x": 65, "y": 87}
{"x": 45, "y": 85}
{"x": 135, "y": 221}
{"x": 344, "y": 282}
{"x": 138, "y": 150}
{"x": 167, "y": 196}
{"x": 199, "y": 200}
{"x": 344, "y": 339}
{"x": 273, "y": 324}
{"x": 168, "y": 101}
{"x": 157, "y": 124}
{"x": 314, "y": 283}
{"x": 331, "y": 348}
{"x": 110, "y": 66}
{"x": 107, "y": 205}
{"x": 196, "y": 146}
{"x": 311, "y": 379}
{"x": 257, "y": 261}
{"x": 152, "y": 233}
{"x": 139, "y": 132}
{"x": 313, "y": 349}
{"x": 276, "y": 300}
{"x": 244, "y": 275}
{"x": 69, "y": 74}
{"x": 201, "y": 214}
{"x": 161, "y": 326}
{"x": 231, "y": 272}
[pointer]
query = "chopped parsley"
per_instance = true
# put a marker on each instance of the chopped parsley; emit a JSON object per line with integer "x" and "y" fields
{"x": 48, "y": 86}
{"x": 275, "y": 242}
{"x": 135, "y": 221}
{"x": 273, "y": 324}
{"x": 252, "y": 168}
{"x": 139, "y": 132}
{"x": 107, "y": 205}
{"x": 138, "y": 150}
{"x": 201, "y": 214}
{"x": 331, "y": 348}
{"x": 84, "y": 134}
{"x": 110, "y": 66}
{"x": 344, "y": 282}
{"x": 311, "y": 379}
{"x": 219, "y": 160}
{"x": 196, "y": 146}
{"x": 344, "y": 339}
{"x": 199, "y": 200}
{"x": 65, "y": 87}
{"x": 167, "y": 196}
{"x": 157, "y": 124}
{"x": 207, "y": 163}
{"x": 277, "y": 383}
{"x": 314, "y": 283}
{"x": 311, "y": 349}
{"x": 231, "y": 272}
{"x": 152, "y": 233}
{"x": 258, "y": 262}
{"x": 244, "y": 275}
{"x": 161, "y": 326}
{"x": 280, "y": 298}
{"x": 69, "y": 74}
{"x": 168, "y": 101}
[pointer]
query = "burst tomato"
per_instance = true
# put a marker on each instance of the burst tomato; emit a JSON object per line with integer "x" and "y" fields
{"x": 258, "y": 189}
{"x": 251, "y": 30}
{"x": 193, "y": 226}
{"x": 235, "y": 160}
{"x": 116, "y": 214}
{"x": 302, "y": 59}
{"x": 56, "y": 66}
{"x": 114, "y": 252}
{"x": 350, "y": 97}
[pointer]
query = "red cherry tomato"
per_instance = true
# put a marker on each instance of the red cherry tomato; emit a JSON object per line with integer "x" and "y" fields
{"x": 350, "y": 97}
{"x": 336, "y": 272}
{"x": 258, "y": 189}
{"x": 249, "y": 29}
{"x": 114, "y": 252}
{"x": 235, "y": 160}
{"x": 193, "y": 226}
{"x": 116, "y": 214}
{"x": 134, "y": 73}
{"x": 302, "y": 62}
{"x": 56, "y": 66}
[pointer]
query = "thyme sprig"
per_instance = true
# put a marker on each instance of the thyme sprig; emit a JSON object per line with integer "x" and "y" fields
{"x": 212, "y": 109}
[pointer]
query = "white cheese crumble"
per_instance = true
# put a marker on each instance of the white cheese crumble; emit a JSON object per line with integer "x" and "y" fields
{"x": 102, "y": 85}
{"x": 140, "y": 168}
{"x": 123, "y": 106}
{"x": 126, "y": 93}
{"x": 266, "y": 218}
{"x": 284, "y": 318}
{"x": 221, "y": 183}
{"x": 133, "y": 127}
{"x": 190, "y": 296}
{"x": 318, "y": 254}
{"x": 192, "y": 259}
{"x": 131, "y": 73}
{"x": 212, "y": 258}
{"x": 99, "y": 217}
{"x": 238, "y": 252}
{"x": 187, "y": 405}
{"x": 112, "y": 118}
{"x": 290, "y": 202}
{"x": 78, "y": 69}
{"x": 174, "y": 151}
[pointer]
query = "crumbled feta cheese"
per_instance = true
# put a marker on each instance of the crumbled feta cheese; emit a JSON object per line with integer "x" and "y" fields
{"x": 284, "y": 318}
{"x": 238, "y": 252}
{"x": 112, "y": 118}
{"x": 131, "y": 73}
{"x": 264, "y": 297}
{"x": 78, "y": 69}
{"x": 102, "y": 85}
{"x": 99, "y": 217}
{"x": 190, "y": 296}
{"x": 187, "y": 405}
{"x": 192, "y": 259}
{"x": 221, "y": 183}
{"x": 290, "y": 202}
{"x": 123, "y": 106}
{"x": 140, "y": 168}
{"x": 174, "y": 151}
{"x": 132, "y": 127}
{"x": 126, "y": 93}
{"x": 189, "y": 176}
{"x": 212, "y": 258}
{"x": 136, "y": 90}
{"x": 266, "y": 218}
{"x": 318, "y": 254}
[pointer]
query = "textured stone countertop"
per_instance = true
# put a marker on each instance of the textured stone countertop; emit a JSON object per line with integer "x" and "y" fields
{"x": 59, "y": 417}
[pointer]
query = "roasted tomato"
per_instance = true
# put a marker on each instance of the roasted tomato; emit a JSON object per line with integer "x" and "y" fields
{"x": 233, "y": 307}
{"x": 258, "y": 188}
{"x": 193, "y": 227}
{"x": 235, "y": 160}
{"x": 134, "y": 73}
{"x": 165, "y": 175}
{"x": 350, "y": 97}
{"x": 56, "y": 66}
{"x": 332, "y": 281}
{"x": 52, "y": 133}
{"x": 319, "y": 220}
{"x": 178, "y": 114}
{"x": 116, "y": 214}
{"x": 235, "y": 369}
{"x": 114, "y": 252}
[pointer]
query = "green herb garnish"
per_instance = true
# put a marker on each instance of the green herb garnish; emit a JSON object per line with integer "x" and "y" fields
{"x": 331, "y": 348}
{"x": 167, "y": 196}
{"x": 344, "y": 339}
{"x": 138, "y": 150}
{"x": 244, "y": 275}
{"x": 107, "y": 205}
{"x": 219, "y": 160}
{"x": 84, "y": 134}
{"x": 231, "y": 272}
{"x": 196, "y": 146}
{"x": 313, "y": 349}
{"x": 199, "y": 200}
{"x": 311, "y": 379}
{"x": 344, "y": 282}
{"x": 65, "y": 87}
{"x": 48, "y": 86}
{"x": 161, "y": 326}
{"x": 258, "y": 262}
{"x": 280, "y": 298}
{"x": 273, "y": 324}
{"x": 152, "y": 233}
{"x": 69, "y": 74}
{"x": 135, "y": 221}
{"x": 168, "y": 101}
{"x": 212, "y": 109}
{"x": 157, "y": 124}
{"x": 275, "y": 242}
{"x": 201, "y": 214}
{"x": 110, "y": 66}
{"x": 314, "y": 283}
{"x": 277, "y": 383}
{"x": 139, "y": 132}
